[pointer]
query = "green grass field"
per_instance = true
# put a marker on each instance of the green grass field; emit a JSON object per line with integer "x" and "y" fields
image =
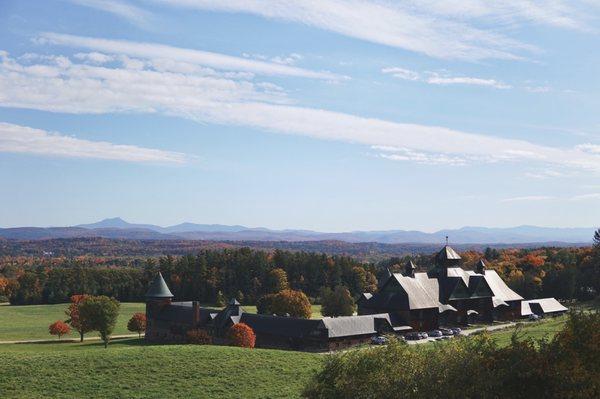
{"x": 545, "y": 328}
{"x": 128, "y": 369}
{"x": 32, "y": 321}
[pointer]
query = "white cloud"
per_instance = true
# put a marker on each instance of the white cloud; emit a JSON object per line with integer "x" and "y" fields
{"x": 94, "y": 57}
{"x": 583, "y": 197}
{"x": 538, "y": 89}
{"x": 402, "y": 73}
{"x": 442, "y": 79}
{"x": 27, "y": 140}
{"x": 467, "y": 29}
{"x": 177, "y": 54}
{"x": 119, "y": 8}
{"x": 69, "y": 87}
{"x": 533, "y": 198}
{"x": 590, "y": 148}
{"x": 435, "y": 78}
{"x": 528, "y": 198}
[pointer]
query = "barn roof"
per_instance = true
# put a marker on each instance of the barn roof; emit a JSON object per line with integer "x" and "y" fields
{"x": 281, "y": 326}
{"x": 546, "y": 305}
{"x": 447, "y": 255}
{"x": 499, "y": 287}
{"x": 420, "y": 296}
{"x": 158, "y": 288}
{"x": 354, "y": 325}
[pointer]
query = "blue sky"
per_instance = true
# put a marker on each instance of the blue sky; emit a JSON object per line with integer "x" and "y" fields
{"x": 329, "y": 115}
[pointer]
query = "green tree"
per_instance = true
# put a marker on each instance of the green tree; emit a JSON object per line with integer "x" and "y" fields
{"x": 220, "y": 301}
{"x": 337, "y": 302}
{"x": 100, "y": 314}
{"x": 286, "y": 302}
{"x": 275, "y": 281}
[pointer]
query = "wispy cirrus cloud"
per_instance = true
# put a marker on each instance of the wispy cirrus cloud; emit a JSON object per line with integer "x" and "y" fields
{"x": 535, "y": 198}
{"x": 437, "y": 78}
{"x": 528, "y": 198}
{"x": 448, "y": 29}
{"x": 59, "y": 84}
{"x": 176, "y": 54}
{"x": 121, "y": 9}
{"x": 26, "y": 140}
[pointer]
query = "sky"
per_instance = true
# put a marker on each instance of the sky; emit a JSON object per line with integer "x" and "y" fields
{"x": 326, "y": 115}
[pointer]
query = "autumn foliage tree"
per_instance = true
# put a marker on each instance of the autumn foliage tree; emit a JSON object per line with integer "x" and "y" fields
{"x": 137, "y": 323}
{"x": 59, "y": 328}
{"x": 74, "y": 320}
{"x": 241, "y": 335}
{"x": 286, "y": 302}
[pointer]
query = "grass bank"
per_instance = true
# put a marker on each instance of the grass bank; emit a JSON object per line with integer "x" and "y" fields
{"x": 133, "y": 370}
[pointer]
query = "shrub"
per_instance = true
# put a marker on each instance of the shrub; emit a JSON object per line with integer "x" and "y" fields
{"x": 59, "y": 328}
{"x": 198, "y": 337}
{"x": 291, "y": 302}
{"x": 137, "y": 323}
{"x": 338, "y": 302}
{"x": 475, "y": 367}
{"x": 242, "y": 335}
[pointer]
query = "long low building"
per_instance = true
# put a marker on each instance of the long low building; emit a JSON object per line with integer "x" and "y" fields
{"x": 169, "y": 322}
{"x": 542, "y": 307}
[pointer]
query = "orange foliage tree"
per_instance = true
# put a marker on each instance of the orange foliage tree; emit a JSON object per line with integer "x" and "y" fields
{"x": 137, "y": 323}
{"x": 241, "y": 335}
{"x": 74, "y": 320}
{"x": 59, "y": 328}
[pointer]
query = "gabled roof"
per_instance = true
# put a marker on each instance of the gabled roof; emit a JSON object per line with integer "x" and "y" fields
{"x": 354, "y": 325}
{"x": 182, "y": 312}
{"x": 158, "y": 288}
{"x": 447, "y": 256}
{"x": 419, "y": 296}
{"x": 499, "y": 287}
{"x": 546, "y": 305}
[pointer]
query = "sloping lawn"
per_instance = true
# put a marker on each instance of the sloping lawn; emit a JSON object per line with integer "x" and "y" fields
{"x": 128, "y": 369}
{"x": 544, "y": 328}
{"x": 32, "y": 321}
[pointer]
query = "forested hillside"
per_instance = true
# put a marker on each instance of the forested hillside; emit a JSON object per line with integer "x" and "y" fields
{"x": 244, "y": 273}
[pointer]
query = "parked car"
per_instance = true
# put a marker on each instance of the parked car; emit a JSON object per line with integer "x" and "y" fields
{"x": 423, "y": 335}
{"x": 456, "y": 330}
{"x": 435, "y": 333}
{"x": 379, "y": 340}
{"x": 413, "y": 336}
{"x": 446, "y": 331}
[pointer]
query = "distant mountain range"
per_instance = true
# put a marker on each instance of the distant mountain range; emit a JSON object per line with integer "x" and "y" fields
{"x": 119, "y": 228}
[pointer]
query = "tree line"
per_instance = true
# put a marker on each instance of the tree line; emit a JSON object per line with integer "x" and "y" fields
{"x": 214, "y": 275}
{"x": 241, "y": 273}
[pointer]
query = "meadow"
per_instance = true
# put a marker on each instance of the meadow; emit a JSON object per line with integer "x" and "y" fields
{"x": 32, "y": 321}
{"x": 131, "y": 369}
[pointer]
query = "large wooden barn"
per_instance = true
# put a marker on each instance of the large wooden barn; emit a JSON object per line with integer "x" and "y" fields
{"x": 168, "y": 322}
{"x": 447, "y": 294}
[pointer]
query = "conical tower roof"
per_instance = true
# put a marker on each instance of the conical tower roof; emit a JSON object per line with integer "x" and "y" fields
{"x": 158, "y": 288}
